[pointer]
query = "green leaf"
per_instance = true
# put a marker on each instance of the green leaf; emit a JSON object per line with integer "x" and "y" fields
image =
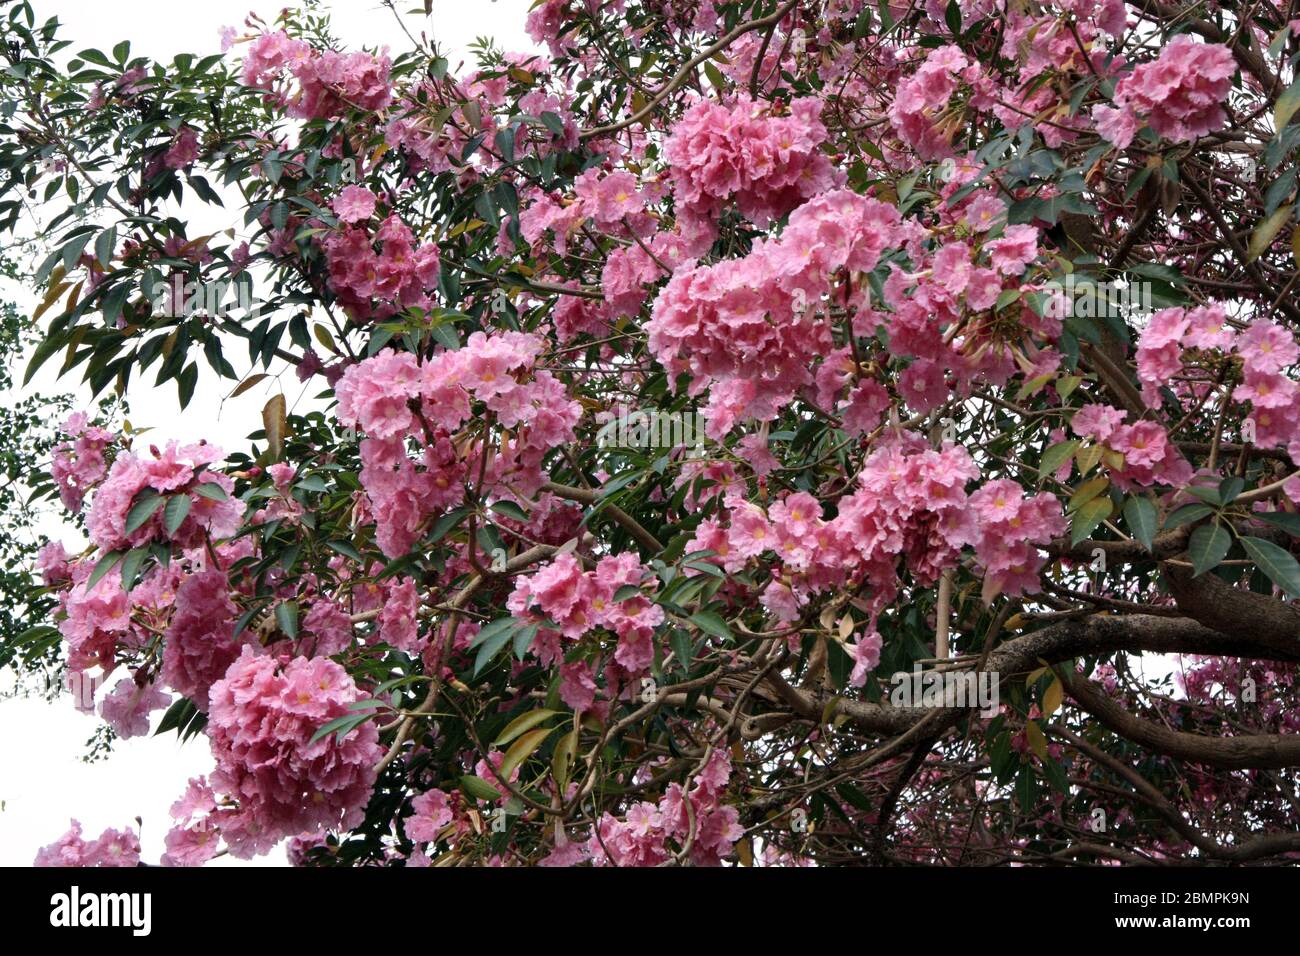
{"x": 1281, "y": 568}
{"x": 1286, "y": 106}
{"x": 1056, "y": 456}
{"x": 1088, "y": 517}
{"x": 141, "y": 512}
{"x": 131, "y": 566}
{"x": 855, "y": 797}
{"x": 524, "y": 640}
{"x": 444, "y": 524}
{"x": 174, "y": 515}
{"x": 1140, "y": 516}
{"x": 553, "y": 122}
{"x": 521, "y": 723}
{"x": 286, "y": 616}
{"x": 105, "y": 564}
{"x": 488, "y": 631}
{"x": 1229, "y": 488}
{"x": 178, "y": 715}
{"x": 1287, "y": 521}
{"x": 510, "y": 510}
{"x": 212, "y": 490}
{"x": 1208, "y": 546}
{"x": 710, "y": 623}
{"x": 522, "y": 749}
{"x": 1186, "y": 515}
{"x": 342, "y": 725}
{"x": 1267, "y": 231}
{"x": 345, "y": 549}
{"x": 489, "y": 647}
{"x": 476, "y": 788}
{"x": 952, "y": 16}
{"x": 104, "y": 245}
{"x": 1206, "y": 494}
{"x": 681, "y": 645}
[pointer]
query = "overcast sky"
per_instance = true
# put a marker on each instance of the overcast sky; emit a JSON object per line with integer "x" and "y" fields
{"x": 43, "y": 781}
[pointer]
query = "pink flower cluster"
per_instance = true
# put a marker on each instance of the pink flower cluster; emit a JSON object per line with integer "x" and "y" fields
{"x": 399, "y": 617}
{"x": 329, "y": 83}
{"x": 1180, "y": 95}
{"x": 755, "y": 325}
{"x": 578, "y": 601}
{"x": 1176, "y": 341}
{"x": 377, "y": 284}
{"x": 916, "y": 111}
{"x": 768, "y": 163}
{"x": 112, "y": 848}
{"x": 1011, "y": 526}
{"x": 1171, "y": 334}
{"x": 1266, "y": 350}
{"x": 79, "y": 463}
{"x": 381, "y": 396}
{"x": 128, "y": 707}
{"x": 1149, "y": 456}
{"x": 641, "y": 837}
{"x": 183, "y": 149}
{"x": 201, "y": 642}
{"x": 943, "y": 313}
{"x": 178, "y": 469}
{"x": 910, "y": 506}
{"x": 261, "y": 723}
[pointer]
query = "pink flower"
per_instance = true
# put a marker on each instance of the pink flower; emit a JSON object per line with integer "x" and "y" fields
{"x": 924, "y": 385}
{"x": 261, "y": 724}
{"x": 750, "y": 534}
{"x": 984, "y": 212}
{"x": 184, "y": 149}
{"x": 431, "y": 814}
{"x": 1117, "y": 127}
{"x": 1141, "y": 444}
{"x": 398, "y": 621}
{"x": 330, "y": 628}
{"x": 866, "y": 657}
{"x": 128, "y": 707}
{"x": 201, "y": 643}
{"x": 609, "y": 199}
{"x": 577, "y": 686}
{"x": 354, "y": 204}
{"x": 1267, "y": 347}
{"x": 1018, "y": 246}
{"x": 113, "y": 848}
{"x": 192, "y": 845}
{"x": 1096, "y": 421}
{"x": 1182, "y": 93}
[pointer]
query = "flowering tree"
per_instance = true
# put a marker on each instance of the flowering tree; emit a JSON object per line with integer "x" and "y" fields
{"x": 985, "y": 309}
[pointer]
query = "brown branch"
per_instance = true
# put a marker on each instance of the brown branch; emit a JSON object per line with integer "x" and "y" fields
{"x": 1229, "y": 753}
{"x": 588, "y": 497}
{"x": 769, "y": 20}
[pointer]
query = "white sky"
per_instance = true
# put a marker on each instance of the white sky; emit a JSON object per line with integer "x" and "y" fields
{"x": 43, "y": 781}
